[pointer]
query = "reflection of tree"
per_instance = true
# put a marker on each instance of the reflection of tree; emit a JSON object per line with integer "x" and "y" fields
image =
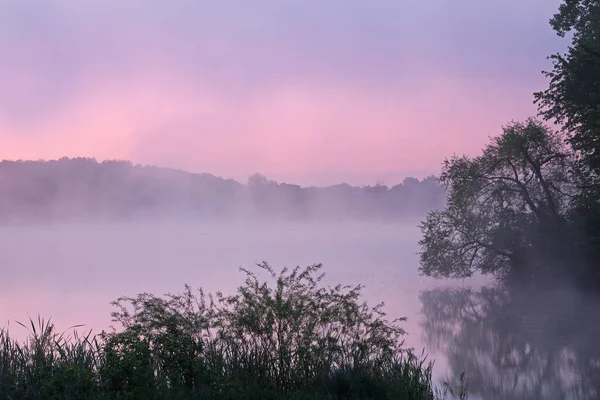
{"x": 517, "y": 345}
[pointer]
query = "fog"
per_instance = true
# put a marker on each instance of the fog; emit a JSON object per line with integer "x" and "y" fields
{"x": 72, "y": 271}
{"x": 515, "y": 344}
{"x": 509, "y": 346}
{"x": 76, "y": 234}
{"x": 83, "y": 189}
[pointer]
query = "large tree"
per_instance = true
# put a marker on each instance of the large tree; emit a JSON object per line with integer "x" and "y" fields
{"x": 572, "y": 98}
{"x": 529, "y": 206}
{"x": 505, "y": 208}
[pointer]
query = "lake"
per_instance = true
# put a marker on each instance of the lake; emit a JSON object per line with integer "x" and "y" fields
{"x": 510, "y": 345}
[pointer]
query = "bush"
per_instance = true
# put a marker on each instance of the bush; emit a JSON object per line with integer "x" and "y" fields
{"x": 285, "y": 337}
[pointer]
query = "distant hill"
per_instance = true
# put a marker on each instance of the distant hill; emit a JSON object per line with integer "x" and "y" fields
{"x": 82, "y": 188}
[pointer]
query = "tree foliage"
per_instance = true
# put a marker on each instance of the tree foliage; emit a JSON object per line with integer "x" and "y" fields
{"x": 529, "y": 206}
{"x": 572, "y": 98}
{"x": 502, "y": 205}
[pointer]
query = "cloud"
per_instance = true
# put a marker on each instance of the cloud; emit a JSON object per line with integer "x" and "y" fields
{"x": 347, "y": 90}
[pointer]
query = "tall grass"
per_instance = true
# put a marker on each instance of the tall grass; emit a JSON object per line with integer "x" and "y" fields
{"x": 286, "y": 337}
{"x": 48, "y": 365}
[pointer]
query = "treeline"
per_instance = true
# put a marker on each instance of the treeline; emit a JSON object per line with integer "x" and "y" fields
{"x": 79, "y": 188}
{"x": 527, "y": 209}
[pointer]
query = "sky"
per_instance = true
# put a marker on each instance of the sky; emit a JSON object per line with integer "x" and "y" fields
{"x": 309, "y": 91}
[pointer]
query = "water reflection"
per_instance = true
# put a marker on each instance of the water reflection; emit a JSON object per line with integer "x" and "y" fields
{"x": 516, "y": 344}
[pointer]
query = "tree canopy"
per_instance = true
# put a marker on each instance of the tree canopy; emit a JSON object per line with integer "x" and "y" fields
{"x": 501, "y": 204}
{"x": 572, "y": 98}
{"x": 529, "y": 206}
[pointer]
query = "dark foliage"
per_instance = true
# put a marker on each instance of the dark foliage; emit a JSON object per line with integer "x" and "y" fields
{"x": 573, "y": 95}
{"x": 528, "y": 208}
{"x": 287, "y": 337}
{"x": 507, "y": 212}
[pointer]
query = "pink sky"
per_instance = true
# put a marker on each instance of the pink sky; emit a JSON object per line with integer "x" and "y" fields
{"x": 311, "y": 95}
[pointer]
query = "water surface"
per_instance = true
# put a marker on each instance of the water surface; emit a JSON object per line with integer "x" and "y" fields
{"x": 510, "y": 346}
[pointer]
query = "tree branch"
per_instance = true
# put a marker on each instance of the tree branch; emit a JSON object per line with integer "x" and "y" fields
{"x": 538, "y": 172}
{"x": 526, "y": 196}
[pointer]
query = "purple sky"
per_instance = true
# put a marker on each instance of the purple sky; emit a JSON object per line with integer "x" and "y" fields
{"x": 311, "y": 92}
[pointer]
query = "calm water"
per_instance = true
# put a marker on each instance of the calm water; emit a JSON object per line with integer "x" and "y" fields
{"x": 511, "y": 346}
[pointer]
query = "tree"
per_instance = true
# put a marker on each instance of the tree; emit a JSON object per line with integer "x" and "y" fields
{"x": 573, "y": 96}
{"x": 505, "y": 212}
{"x": 572, "y": 99}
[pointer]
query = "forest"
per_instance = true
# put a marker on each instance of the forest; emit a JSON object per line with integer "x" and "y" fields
{"x": 83, "y": 188}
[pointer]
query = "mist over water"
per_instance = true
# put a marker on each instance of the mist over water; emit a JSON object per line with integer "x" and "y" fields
{"x": 58, "y": 263}
{"x": 348, "y": 111}
{"x": 71, "y": 272}
{"x": 516, "y": 344}
{"x": 509, "y": 345}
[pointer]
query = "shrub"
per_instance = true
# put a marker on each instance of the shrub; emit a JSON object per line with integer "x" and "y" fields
{"x": 288, "y": 336}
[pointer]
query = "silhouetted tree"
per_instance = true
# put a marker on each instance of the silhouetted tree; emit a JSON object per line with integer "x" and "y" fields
{"x": 506, "y": 208}
{"x": 573, "y": 100}
{"x": 573, "y": 95}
